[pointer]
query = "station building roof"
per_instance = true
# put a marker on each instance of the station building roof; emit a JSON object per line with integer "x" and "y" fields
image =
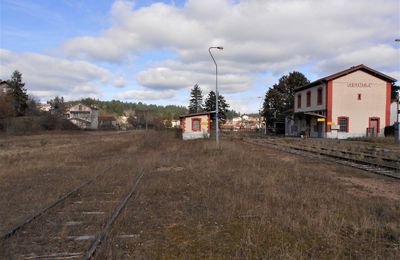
{"x": 346, "y": 72}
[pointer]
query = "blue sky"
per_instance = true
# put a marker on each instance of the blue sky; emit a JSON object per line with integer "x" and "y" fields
{"x": 155, "y": 51}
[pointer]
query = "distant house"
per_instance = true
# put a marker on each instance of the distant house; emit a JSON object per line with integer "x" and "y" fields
{"x": 196, "y": 126}
{"x": 107, "y": 122}
{"x": 44, "y": 107}
{"x": 176, "y": 123}
{"x": 4, "y": 87}
{"x": 242, "y": 122}
{"x": 83, "y": 116}
{"x": 173, "y": 123}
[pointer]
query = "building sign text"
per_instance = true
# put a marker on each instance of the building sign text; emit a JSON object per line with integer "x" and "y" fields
{"x": 358, "y": 85}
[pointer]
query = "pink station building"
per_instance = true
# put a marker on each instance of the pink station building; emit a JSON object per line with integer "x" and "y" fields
{"x": 355, "y": 102}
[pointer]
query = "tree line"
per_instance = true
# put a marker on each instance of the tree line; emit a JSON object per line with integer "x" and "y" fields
{"x": 120, "y": 108}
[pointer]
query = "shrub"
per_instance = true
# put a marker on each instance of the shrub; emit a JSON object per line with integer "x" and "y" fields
{"x": 389, "y": 130}
{"x": 33, "y": 124}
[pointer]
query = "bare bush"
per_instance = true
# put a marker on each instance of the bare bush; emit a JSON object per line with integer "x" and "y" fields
{"x": 34, "y": 124}
{"x": 6, "y": 106}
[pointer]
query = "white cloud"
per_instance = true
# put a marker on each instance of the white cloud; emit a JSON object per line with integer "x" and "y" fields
{"x": 179, "y": 76}
{"x": 394, "y": 74}
{"x": 88, "y": 90}
{"x": 382, "y": 56}
{"x": 46, "y": 76}
{"x": 165, "y": 78}
{"x": 144, "y": 95}
{"x": 245, "y": 104}
{"x": 258, "y": 36}
{"x": 119, "y": 82}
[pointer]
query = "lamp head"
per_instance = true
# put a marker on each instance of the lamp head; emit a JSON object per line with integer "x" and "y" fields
{"x": 220, "y": 48}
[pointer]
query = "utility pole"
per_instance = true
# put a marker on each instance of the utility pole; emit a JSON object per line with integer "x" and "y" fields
{"x": 216, "y": 94}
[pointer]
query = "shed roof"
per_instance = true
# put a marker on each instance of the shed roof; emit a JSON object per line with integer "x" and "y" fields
{"x": 346, "y": 72}
{"x": 3, "y": 82}
{"x": 198, "y": 114}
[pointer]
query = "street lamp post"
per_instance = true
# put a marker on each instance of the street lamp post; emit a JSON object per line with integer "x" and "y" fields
{"x": 216, "y": 94}
{"x": 397, "y": 133}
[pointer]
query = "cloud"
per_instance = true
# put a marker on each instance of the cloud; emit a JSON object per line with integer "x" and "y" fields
{"x": 164, "y": 78}
{"x": 259, "y": 37}
{"x": 47, "y": 76}
{"x": 179, "y": 76}
{"x": 119, "y": 82}
{"x": 144, "y": 95}
{"x": 250, "y": 104}
{"x": 382, "y": 56}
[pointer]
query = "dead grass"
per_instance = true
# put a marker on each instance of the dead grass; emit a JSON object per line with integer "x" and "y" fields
{"x": 197, "y": 201}
{"x": 245, "y": 202}
{"x": 35, "y": 170}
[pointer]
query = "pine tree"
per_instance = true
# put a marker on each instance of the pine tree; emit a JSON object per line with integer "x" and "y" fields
{"x": 18, "y": 93}
{"x": 222, "y": 108}
{"x": 57, "y": 104}
{"x": 280, "y": 97}
{"x": 209, "y": 103}
{"x": 222, "y": 105}
{"x": 196, "y": 100}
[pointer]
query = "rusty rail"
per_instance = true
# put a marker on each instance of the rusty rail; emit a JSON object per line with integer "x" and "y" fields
{"x": 63, "y": 197}
{"x": 376, "y": 168}
{"x": 104, "y": 233}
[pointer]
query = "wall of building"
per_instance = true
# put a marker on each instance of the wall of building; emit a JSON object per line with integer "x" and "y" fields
{"x": 394, "y": 114}
{"x": 296, "y": 125}
{"x": 187, "y": 131}
{"x": 3, "y": 88}
{"x": 94, "y": 119}
{"x": 314, "y": 98}
{"x": 345, "y": 102}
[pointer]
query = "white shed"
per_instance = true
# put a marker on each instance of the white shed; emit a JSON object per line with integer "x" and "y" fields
{"x": 196, "y": 126}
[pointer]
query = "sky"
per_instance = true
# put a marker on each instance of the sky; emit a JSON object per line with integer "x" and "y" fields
{"x": 156, "y": 51}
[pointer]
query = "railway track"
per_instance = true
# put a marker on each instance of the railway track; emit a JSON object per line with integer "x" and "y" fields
{"x": 37, "y": 214}
{"x": 76, "y": 224}
{"x": 373, "y": 167}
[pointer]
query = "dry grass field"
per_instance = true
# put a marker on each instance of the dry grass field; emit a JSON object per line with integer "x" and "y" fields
{"x": 197, "y": 201}
{"x": 37, "y": 169}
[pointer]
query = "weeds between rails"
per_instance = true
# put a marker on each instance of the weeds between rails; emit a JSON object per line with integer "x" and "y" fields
{"x": 104, "y": 233}
{"x": 63, "y": 197}
{"x": 47, "y": 234}
{"x": 50, "y": 238}
{"x": 373, "y": 167}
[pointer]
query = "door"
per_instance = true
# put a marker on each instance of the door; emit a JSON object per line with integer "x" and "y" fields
{"x": 374, "y": 125}
{"x": 320, "y": 126}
